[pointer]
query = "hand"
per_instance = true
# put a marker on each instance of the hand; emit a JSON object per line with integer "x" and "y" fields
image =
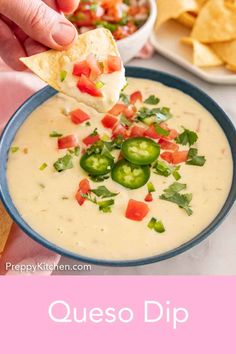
{"x": 28, "y": 27}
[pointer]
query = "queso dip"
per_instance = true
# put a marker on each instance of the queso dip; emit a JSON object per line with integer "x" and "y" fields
{"x": 153, "y": 206}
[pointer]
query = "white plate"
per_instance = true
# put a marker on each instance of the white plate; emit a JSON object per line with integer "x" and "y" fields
{"x": 167, "y": 42}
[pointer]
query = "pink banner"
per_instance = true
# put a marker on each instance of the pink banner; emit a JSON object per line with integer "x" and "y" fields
{"x": 117, "y": 315}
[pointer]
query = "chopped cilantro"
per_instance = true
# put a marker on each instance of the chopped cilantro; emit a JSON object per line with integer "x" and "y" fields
{"x": 124, "y": 98}
{"x": 152, "y": 100}
{"x": 171, "y": 194}
{"x": 124, "y": 121}
{"x": 110, "y": 26}
{"x": 74, "y": 151}
{"x": 194, "y": 159}
{"x": 160, "y": 130}
{"x": 105, "y": 205}
{"x": 158, "y": 115}
{"x": 187, "y": 137}
{"x": 95, "y": 132}
{"x": 98, "y": 178}
{"x": 103, "y": 192}
{"x": 64, "y": 163}
{"x": 88, "y": 124}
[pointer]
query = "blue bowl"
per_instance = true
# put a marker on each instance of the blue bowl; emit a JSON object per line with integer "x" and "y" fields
{"x": 36, "y": 100}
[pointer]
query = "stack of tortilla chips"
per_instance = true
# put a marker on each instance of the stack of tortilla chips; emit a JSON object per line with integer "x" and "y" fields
{"x": 212, "y": 29}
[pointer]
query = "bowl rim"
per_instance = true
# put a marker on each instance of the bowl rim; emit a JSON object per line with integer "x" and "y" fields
{"x": 149, "y": 22}
{"x": 167, "y": 79}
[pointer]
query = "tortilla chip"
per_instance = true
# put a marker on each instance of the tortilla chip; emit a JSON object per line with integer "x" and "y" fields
{"x": 203, "y": 55}
{"x": 5, "y": 227}
{"x": 215, "y": 23}
{"x": 231, "y": 67}
{"x": 172, "y": 9}
{"x": 226, "y": 51}
{"x": 187, "y": 19}
{"x": 50, "y": 65}
{"x": 201, "y": 3}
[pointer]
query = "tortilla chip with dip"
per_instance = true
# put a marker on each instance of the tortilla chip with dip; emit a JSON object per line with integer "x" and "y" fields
{"x": 5, "y": 227}
{"x": 203, "y": 55}
{"x": 91, "y": 70}
{"x": 216, "y": 23}
{"x": 172, "y": 9}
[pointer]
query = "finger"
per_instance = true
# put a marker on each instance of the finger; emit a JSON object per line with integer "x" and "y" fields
{"x": 68, "y": 6}
{"x": 40, "y": 22}
{"x": 32, "y": 47}
{"x": 21, "y": 35}
{"x": 10, "y": 48}
{"x": 52, "y": 3}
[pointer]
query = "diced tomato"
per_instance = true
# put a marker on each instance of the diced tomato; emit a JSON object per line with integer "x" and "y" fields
{"x": 91, "y": 139}
{"x": 118, "y": 109}
{"x": 85, "y": 85}
{"x": 179, "y": 156}
{"x": 109, "y": 121}
{"x": 136, "y": 210}
{"x": 149, "y": 197}
{"x": 81, "y": 68}
{"x": 167, "y": 156}
{"x": 84, "y": 188}
{"x": 167, "y": 145}
{"x": 67, "y": 142}
{"x": 137, "y": 131}
{"x": 138, "y": 10}
{"x": 151, "y": 132}
{"x": 84, "y": 18}
{"x": 94, "y": 67}
{"x": 114, "y": 13}
{"x": 113, "y": 63}
{"x": 78, "y": 116}
{"x": 175, "y": 157}
{"x": 173, "y": 134}
{"x": 130, "y": 111}
{"x": 136, "y": 96}
{"x": 119, "y": 130}
{"x": 80, "y": 199}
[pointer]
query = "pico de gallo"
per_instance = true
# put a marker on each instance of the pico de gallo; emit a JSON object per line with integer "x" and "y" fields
{"x": 121, "y": 17}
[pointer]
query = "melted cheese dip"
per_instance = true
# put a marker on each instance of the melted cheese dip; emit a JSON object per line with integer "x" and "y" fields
{"x": 46, "y": 199}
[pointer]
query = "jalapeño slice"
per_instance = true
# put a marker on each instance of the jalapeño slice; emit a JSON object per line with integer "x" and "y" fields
{"x": 140, "y": 151}
{"x": 96, "y": 164}
{"x": 130, "y": 175}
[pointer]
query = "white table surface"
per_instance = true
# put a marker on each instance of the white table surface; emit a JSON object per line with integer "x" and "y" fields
{"x": 217, "y": 254}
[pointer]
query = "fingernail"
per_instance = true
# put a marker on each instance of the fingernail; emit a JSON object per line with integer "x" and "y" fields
{"x": 63, "y": 34}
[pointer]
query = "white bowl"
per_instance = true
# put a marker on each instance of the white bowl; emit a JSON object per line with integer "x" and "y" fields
{"x": 130, "y": 46}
